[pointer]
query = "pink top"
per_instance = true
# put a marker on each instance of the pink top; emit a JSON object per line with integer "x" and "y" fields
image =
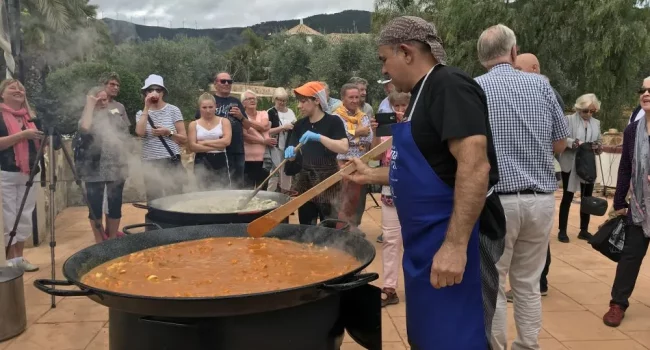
{"x": 254, "y": 152}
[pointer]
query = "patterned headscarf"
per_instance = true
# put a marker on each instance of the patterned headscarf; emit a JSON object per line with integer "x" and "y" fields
{"x": 411, "y": 28}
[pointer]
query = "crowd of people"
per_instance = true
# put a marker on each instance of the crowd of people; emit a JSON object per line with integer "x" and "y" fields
{"x": 467, "y": 188}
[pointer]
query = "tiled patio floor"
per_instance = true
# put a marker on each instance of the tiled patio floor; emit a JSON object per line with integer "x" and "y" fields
{"x": 580, "y": 281}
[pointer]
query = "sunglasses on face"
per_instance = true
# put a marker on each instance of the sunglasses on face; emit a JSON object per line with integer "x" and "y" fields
{"x": 589, "y": 111}
{"x": 158, "y": 90}
{"x": 643, "y": 90}
{"x": 225, "y": 81}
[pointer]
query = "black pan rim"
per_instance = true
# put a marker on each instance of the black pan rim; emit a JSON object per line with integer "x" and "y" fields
{"x": 102, "y": 292}
{"x": 152, "y": 205}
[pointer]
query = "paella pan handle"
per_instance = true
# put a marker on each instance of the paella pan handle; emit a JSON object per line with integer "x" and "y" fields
{"x": 127, "y": 229}
{"x": 334, "y": 223}
{"x": 358, "y": 281}
{"x": 141, "y": 206}
{"x": 46, "y": 286}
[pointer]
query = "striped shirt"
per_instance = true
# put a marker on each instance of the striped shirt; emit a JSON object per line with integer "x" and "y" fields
{"x": 152, "y": 147}
{"x": 526, "y": 119}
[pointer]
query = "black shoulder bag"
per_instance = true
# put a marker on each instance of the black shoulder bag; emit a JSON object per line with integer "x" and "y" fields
{"x": 175, "y": 157}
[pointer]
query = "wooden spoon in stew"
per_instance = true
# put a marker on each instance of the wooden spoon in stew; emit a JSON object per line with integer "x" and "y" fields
{"x": 260, "y": 226}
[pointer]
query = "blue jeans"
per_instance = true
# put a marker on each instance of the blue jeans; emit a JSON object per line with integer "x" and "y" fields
{"x": 236, "y": 163}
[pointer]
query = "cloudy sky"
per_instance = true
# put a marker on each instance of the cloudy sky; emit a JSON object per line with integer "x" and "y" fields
{"x": 220, "y": 13}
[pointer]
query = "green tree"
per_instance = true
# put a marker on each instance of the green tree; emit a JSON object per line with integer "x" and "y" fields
{"x": 69, "y": 86}
{"x": 246, "y": 62}
{"x": 289, "y": 58}
{"x": 385, "y": 10}
{"x": 186, "y": 64}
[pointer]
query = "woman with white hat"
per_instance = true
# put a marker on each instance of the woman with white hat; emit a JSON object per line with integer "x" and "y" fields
{"x": 161, "y": 127}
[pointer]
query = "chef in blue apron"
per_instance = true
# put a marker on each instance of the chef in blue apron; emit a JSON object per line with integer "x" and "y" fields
{"x": 443, "y": 165}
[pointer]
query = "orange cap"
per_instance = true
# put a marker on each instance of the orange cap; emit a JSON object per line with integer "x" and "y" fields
{"x": 310, "y": 89}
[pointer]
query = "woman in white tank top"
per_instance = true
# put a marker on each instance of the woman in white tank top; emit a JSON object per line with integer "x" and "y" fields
{"x": 208, "y": 138}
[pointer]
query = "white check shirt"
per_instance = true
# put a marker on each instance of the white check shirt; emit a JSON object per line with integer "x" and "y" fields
{"x": 526, "y": 119}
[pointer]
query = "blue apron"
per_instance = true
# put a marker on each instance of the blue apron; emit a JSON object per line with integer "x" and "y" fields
{"x": 449, "y": 318}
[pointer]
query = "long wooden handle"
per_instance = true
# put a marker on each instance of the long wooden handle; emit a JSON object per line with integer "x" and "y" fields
{"x": 264, "y": 224}
{"x": 244, "y": 203}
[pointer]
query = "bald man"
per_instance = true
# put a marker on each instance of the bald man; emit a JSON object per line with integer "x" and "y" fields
{"x": 527, "y": 62}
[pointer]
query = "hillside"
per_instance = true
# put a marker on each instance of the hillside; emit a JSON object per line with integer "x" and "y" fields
{"x": 344, "y": 22}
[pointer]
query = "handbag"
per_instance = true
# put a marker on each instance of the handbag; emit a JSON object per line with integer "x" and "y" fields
{"x": 593, "y": 206}
{"x": 585, "y": 162}
{"x": 609, "y": 240}
{"x": 174, "y": 157}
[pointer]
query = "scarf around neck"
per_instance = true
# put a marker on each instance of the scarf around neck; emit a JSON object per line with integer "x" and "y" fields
{"x": 639, "y": 184}
{"x": 351, "y": 121}
{"x": 21, "y": 148}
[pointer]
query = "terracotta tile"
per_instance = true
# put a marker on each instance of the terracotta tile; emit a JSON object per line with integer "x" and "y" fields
{"x": 578, "y": 326}
{"x": 642, "y": 337}
{"x": 604, "y": 345}
{"x": 34, "y": 296}
{"x": 351, "y": 346}
{"x": 76, "y": 310}
{"x": 35, "y": 312}
{"x": 587, "y": 261}
{"x": 604, "y": 275}
{"x": 100, "y": 342}
{"x": 62, "y": 336}
{"x": 558, "y": 301}
{"x": 5, "y": 344}
{"x": 397, "y": 309}
{"x": 400, "y": 325}
{"x": 567, "y": 274}
{"x": 393, "y": 346}
{"x": 551, "y": 344}
{"x": 586, "y": 293}
{"x": 391, "y": 330}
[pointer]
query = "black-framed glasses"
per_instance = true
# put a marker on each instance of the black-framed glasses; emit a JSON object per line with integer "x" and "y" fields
{"x": 588, "y": 111}
{"x": 643, "y": 90}
{"x": 158, "y": 90}
{"x": 225, "y": 81}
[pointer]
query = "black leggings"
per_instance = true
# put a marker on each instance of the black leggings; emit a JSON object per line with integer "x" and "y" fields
{"x": 211, "y": 170}
{"x": 310, "y": 212}
{"x": 95, "y": 191}
{"x": 585, "y": 191}
{"x": 627, "y": 270}
{"x": 254, "y": 174}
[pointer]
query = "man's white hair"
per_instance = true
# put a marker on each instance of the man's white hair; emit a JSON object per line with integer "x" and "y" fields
{"x": 496, "y": 41}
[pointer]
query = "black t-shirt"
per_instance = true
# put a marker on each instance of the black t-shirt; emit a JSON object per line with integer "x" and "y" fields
{"x": 8, "y": 157}
{"x": 330, "y": 126}
{"x": 224, "y": 104}
{"x": 452, "y": 106}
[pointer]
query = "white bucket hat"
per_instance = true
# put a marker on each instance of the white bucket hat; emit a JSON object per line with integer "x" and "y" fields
{"x": 154, "y": 79}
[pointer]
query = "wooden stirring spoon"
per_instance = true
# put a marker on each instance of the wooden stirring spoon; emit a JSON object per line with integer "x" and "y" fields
{"x": 260, "y": 226}
{"x": 247, "y": 200}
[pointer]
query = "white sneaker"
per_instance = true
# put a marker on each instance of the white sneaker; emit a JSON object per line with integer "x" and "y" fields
{"x": 26, "y": 265}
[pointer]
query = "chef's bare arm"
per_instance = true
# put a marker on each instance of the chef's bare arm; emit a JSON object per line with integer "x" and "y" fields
{"x": 472, "y": 180}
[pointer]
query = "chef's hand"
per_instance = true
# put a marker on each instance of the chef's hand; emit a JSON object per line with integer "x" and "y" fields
{"x": 362, "y": 174}
{"x": 309, "y": 136}
{"x": 448, "y": 265}
{"x": 290, "y": 153}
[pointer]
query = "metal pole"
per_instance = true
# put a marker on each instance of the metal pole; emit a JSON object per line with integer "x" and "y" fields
{"x": 52, "y": 170}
